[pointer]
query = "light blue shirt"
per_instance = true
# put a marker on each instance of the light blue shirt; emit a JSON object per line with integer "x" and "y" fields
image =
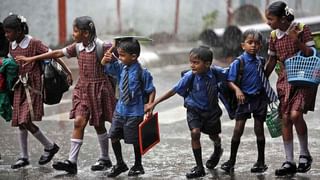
{"x": 198, "y": 96}
{"x": 250, "y": 82}
{"x": 138, "y": 77}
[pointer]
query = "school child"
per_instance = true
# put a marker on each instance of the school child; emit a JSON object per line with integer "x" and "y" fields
{"x": 134, "y": 84}
{"x": 251, "y": 98}
{"x": 93, "y": 98}
{"x": 294, "y": 100}
{"x": 8, "y": 74}
{"x": 27, "y": 101}
{"x": 199, "y": 89}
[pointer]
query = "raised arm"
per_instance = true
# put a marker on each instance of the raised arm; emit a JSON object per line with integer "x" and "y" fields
{"x": 49, "y": 55}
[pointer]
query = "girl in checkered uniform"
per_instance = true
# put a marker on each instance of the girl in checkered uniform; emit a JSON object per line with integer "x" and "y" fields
{"x": 27, "y": 101}
{"x": 294, "y": 100}
{"x": 93, "y": 98}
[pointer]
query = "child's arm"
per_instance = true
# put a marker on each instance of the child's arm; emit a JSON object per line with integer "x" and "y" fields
{"x": 66, "y": 68}
{"x": 107, "y": 58}
{"x": 239, "y": 94}
{"x": 49, "y": 55}
{"x": 167, "y": 95}
{"x": 271, "y": 63}
{"x": 152, "y": 96}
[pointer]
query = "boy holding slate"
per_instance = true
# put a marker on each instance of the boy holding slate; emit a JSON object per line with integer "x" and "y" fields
{"x": 198, "y": 86}
{"x": 134, "y": 84}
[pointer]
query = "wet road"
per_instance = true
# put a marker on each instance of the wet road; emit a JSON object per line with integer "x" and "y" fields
{"x": 170, "y": 159}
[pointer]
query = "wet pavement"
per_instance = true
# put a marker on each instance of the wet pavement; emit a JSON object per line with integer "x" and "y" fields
{"x": 170, "y": 159}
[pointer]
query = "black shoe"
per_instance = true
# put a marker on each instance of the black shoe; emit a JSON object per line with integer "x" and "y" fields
{"x": 118, "y": 169}
{"x": 45, "y": 159}
{"x": 196, "y": 172}
{"x": 136, "y": 170}
{"x": 304, "y": 167}
{"x": 65, "y": 165}
{"x": 21, "y": 162}
{"x": 228, "y": 166}
{"x": 101, "y": 165}
{"x": 287, "y": 168}
{"x": 214, "y": 159}
{"x": 259, "y": 167}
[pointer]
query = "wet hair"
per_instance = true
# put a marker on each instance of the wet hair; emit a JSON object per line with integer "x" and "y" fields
{"x": 17, "y": 23}
{"x": 4, "y": 43}
{"x": 203, "y": 53}
{"x": 85, "y": 23}
{"x": 129, "y": 45}
{"x": 255, "y": 33}
{"x": 280, "y": 9}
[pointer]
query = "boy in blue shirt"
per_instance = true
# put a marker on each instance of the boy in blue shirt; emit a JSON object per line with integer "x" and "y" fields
{"x": 251, "y": 97}
{"x": 199, "y": 89}
{"x": 134, "y": 84}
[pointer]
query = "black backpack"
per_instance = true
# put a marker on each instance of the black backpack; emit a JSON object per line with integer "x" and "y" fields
{"x": 54, "y": 82}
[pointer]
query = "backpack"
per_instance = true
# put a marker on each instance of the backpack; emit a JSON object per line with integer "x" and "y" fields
{"x": 225, "y": 94}
{"x": 54, "y": 82}
{"x": 99, "y": 55}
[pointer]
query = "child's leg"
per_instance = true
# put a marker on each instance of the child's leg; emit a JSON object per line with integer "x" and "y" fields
{"x": 103, "y": 141}
{"x": 77, "y": 138}
{"x": 137, "y": 155}
{"x": 196, "y": 146}
{"x": 23, "y": 140}
{"x": 103, "y": 162}
{"x": 236, "y": 137}
{"x": 217, "y": 153}
{"x": 287, "y": 137}
{"x": 70, "y": 165}
{"x": 305, "y": 159}
{"x": 259, "y": 131}
{"x": 116, "y": 146}
{"x": 50, "y": 148}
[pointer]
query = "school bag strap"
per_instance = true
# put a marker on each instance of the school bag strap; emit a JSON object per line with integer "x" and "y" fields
{"x": 274, "y": 36}
{"x": 240, "y": 70}
{"x": 141, "y": 79}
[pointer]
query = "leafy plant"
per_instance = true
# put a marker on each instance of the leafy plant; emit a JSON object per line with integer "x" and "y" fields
{"x": 210, "y": 19}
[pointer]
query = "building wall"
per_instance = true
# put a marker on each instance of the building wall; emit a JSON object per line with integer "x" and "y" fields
{"x": 144, "y": 17}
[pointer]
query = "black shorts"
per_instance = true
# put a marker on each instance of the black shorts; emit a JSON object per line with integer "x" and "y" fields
{"x": 127, "y": 128}
{"x": 208, "y": 122}
{"x": 255, "y": 104}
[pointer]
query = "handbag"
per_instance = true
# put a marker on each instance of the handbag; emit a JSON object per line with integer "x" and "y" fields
{"x": 54, "y": 82}
{"x": 273, "y": 120}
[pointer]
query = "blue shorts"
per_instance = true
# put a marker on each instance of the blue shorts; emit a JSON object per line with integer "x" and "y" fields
{"x": 125, "y": 127}
{"x": 254, "y": 104}
{"x": 208, "y": 122}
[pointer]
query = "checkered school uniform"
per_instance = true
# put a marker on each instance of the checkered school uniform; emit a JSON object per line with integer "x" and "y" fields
{"x": 93, "y": 96}
{"x": 295, "y": 98}
{"x": 21, "y": 114}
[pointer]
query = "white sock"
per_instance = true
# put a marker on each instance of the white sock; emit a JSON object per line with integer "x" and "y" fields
{"x": 74, "y": 150}
{"x": 288, "y": 147}
{"x": 303, "y": 141}
{"x": 104, "y": 146}
{"x": 23, "y": 140}
{"x": 47, "y": 143}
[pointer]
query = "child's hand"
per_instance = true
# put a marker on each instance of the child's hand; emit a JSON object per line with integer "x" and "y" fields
{"x": 240, "y": 96}
{"x": 69, "y": 79}
{"x": 148, "y": 108}
{"x": 294, "y": 31}
{"x": 108, "y": 55}
{"x": 28, "y": 60}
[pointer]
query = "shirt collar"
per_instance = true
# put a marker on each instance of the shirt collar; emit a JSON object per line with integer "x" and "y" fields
{"x": 248, "y": 57}
{"x": 88, "y": 48}
{"x": 280, "y": 33}
{"x": 23, "y": 44}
